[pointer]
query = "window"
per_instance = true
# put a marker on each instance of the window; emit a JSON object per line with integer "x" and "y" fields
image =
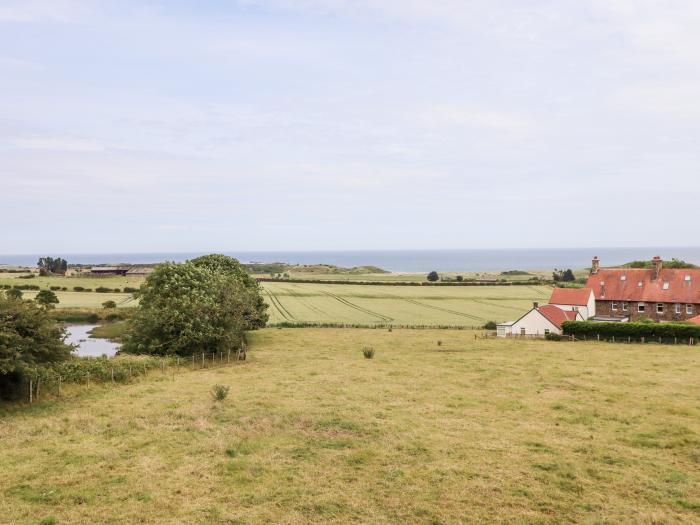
{"x": 613, "y": 306}
{"x": 640, "y": 284}
{"x": 625, "y": 306}
{"x": 687, "y": 278}
{"x": 678, "y": 308}
{"x": 546, "y": 331}
{"x": 666, "y": 285}
{"x": 660, "y": 308}
{"x": 623, "y": 277}
{"x": 641, "y": 308}
{"x": 522, "y": 331}
{"x": 689, "y": 309}
{"x": 574, "y": 308}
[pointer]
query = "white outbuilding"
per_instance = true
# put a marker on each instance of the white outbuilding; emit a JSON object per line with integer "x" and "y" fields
{"x": 542, "y": 320}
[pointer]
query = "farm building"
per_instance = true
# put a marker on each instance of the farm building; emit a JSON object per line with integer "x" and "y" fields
{"x": 108, "y": 270}
{"x": 658, "y": 293}
{"x": 580, "y": 300}
{"x": 695, "y": 320}
{"x": 539, "y": 321}
{"x": 139, "y": 271}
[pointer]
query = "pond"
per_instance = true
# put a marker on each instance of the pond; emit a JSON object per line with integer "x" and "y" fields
{"x": 89, "y": 346}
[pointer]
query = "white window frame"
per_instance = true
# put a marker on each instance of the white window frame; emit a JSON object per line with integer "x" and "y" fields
{"x": 689, "y": 309}
{"x": 613, "y": 306}
{"x": 625, "y": 306}
{"x": 659, "y": 308}
{"x": 677, "y": 308}
{"x": 641, "y": 308}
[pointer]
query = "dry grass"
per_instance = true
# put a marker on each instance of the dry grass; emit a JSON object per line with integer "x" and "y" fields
{"x": 470, "y": 431}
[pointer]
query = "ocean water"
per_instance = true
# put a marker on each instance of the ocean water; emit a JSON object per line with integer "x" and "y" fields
{"x": 404, "y": 260}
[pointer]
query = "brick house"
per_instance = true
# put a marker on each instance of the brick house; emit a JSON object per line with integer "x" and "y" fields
{"x": 660, "y": 294}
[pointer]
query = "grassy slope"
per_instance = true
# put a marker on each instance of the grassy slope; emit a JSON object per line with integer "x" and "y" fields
{"x": 474, "y": 430}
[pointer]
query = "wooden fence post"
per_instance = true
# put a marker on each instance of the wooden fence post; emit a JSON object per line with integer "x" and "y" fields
{"x": 59, "y": 386}
{"x": 38, "y": 383}
{"x": 202, "y": 360}
{"x": 30, "y": 391}
{"x": 112, "y": 374}
{"x": 88, "y": 378}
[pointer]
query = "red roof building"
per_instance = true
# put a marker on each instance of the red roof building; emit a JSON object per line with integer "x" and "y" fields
{"x": 659, "y": 293}
{"x": 556, "y": 315}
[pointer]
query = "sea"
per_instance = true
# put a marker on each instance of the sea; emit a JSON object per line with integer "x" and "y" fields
{"x": 467, "y": 260}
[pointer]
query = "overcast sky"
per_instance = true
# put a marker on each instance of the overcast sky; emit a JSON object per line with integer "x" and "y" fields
{"x": 341, "y": 124}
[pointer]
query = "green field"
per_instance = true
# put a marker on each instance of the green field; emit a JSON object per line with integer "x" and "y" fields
{"x": 87, "y": 299}
{"x": 401, "y": 305}
{"x": 472, "y": 431}
{"x": 70, "y": 282}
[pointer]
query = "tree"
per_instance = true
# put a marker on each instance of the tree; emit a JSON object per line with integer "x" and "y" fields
{"x": 109, "y": 304}
{"x": 46, "y": 298}
{"x": 13, "y": 293}
{"x": 257, "y": 315}
{"x": 433, "y": 276}
{"x": 459, "y": 278}
{"x": 29, "y": 338}
{"x": 568, "y": 276}
{"x": 49, "y": 265}
{"x": 191, "y": 308}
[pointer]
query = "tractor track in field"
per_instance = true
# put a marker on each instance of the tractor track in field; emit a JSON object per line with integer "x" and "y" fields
{"x": 358, "y": 307}
{"x": 487, "y": 303}
{"x": 280, "y": 308}
{"x": 446, "y": 310}
{"x": 300, "y": 298}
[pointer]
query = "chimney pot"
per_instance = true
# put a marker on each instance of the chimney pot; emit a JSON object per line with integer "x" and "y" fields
{"x": 536, "y": 304}
{"x": 595, "y": 265}
{"x": 657, "y": 265}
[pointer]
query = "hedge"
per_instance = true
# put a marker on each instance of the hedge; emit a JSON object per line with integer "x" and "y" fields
{"x": 651, "y": 331}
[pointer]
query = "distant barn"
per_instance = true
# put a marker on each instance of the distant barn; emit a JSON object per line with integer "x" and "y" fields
{"x": 139, "y": 271}
{"x": 108, "y": 270}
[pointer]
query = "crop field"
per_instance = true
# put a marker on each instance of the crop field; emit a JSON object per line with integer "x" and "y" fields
{"x": 87, "y": 299}
{"x": 471, "y": 431}
{"x": 401, "y": 305}
{"x": 70, "y": 282}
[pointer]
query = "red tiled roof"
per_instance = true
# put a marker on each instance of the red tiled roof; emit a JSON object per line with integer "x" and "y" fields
{"x": 670, "y": 287}
{"x": 571, "y": 296}
{"x": 695, "y": 320}
{"x": 556, "y": 315}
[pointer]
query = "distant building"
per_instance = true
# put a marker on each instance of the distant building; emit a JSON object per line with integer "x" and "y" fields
{"x": 657, "y": 293}
{"x": 108, "y": 270}
{"x": 580, "y": 300}
{"x": 140, "y": 271}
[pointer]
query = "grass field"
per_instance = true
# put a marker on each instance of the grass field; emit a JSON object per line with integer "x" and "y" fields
{"x": 70, "y": 282}
{"x": 87, "y": 299}
{"x": 407, "y": 305}
{"x": 470, "y": 431}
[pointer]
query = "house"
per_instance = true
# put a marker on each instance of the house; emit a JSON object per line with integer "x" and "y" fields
{"x": 580, "y": 300}
{"x": 543, "y": 320}
{"x": 657, "y": 293}
{"x": 695, "y": 320}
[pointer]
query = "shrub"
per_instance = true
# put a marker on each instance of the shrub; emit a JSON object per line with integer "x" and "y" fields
{"x": 117, "y": 290}
{"x": 78, "y": 289}
{"x": 433, "y": 277}
{"x": 490, "y": 325}
{"x": 30, "y": 276}
{"x": 26, "y": 287}
{"x": 87, "y": 290}
{"x": 439, "y": 343}
{"x": 552, "y": 337}
{"x": 13, "y": 293}
{"x": 368, "y": 352}
{"x": 129, "y": 289}
{"x": 459, "y": 279}
{"x": 64, "y": 289}
{"x": 54, "y": 288}
{"x": 219, "y": 392}
{"x": 103, "y": 289}
{"x": 109, "y": 304}
{"x": 653, "y": 331}
{"x": 46, "y": 298}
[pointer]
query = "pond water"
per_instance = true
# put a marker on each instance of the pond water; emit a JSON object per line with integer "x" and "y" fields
{"x": 89, "y": 346}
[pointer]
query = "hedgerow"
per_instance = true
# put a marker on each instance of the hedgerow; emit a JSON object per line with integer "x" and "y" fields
{"x": 650, "y": 331}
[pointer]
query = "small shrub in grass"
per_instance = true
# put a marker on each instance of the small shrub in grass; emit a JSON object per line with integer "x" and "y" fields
{"x": 368, "y": 352}
{"x": 78, "y": 289}
{"x": 103, "y": 289}
{"x": 439, "y": 343}
{"x": 109, "y": 304}
{"x": 219, "y": 392}
{"x": 129, "y": 289}
{"x": 54, "y": 288}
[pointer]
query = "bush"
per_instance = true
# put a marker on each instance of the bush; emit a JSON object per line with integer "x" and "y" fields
{"x": 490, "y": 325}
{"x": 653, "y": 331}
{"x": 54, "y": 288}
{"x": 117, "y": 290}
{"x": 13, "y": 294}
{"x": 552, "y": 337}
{"x": 109, "y": 304}
{"x": 103, "y": 289}
{"x": 368, "y": 352}
{"x": 30, "y": 276}
{"x": 129, "y": 289}
{"x": 46, "y": 298}
{"x": 433, "y": 277}
{"x": 439, "y": 343}
{"x": 78, "y": 289}
{"x": 26, "y": 287}
{"x": 219, "y": 392}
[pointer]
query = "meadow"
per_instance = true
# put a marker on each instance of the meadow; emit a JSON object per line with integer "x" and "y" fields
{"x": 470, "y": 430}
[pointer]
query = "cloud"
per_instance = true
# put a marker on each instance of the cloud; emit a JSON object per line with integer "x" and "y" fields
{"x": 43, "y": 10}
{"x": 66, "y": 144}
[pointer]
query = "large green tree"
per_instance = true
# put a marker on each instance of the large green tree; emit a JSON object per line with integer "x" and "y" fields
{"x": 49, "y": 265}
{"x": 29, "y": 338}
{"x": 256, "y": 316}
{"x": 192, "y": 308}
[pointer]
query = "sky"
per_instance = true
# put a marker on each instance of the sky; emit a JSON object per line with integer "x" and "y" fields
{"x": 142, "y": 126}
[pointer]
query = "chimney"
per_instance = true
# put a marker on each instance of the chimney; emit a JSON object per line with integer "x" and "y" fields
{"x": 595, "y": 266}
{"x": 535, "y": 305}
{"x": 657, "y": 264}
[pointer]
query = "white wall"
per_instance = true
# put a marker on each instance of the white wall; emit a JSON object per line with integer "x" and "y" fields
{"x": 535, "y": 324}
